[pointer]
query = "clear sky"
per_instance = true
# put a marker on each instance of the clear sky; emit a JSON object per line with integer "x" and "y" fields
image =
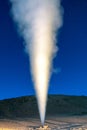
{"x": 70, "y": 63}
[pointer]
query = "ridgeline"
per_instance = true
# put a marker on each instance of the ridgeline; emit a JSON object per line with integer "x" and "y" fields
{"x": 24, "y": 107}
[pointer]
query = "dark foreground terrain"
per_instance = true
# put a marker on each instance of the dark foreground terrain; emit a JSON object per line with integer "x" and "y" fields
{"x": 57, "y": 105}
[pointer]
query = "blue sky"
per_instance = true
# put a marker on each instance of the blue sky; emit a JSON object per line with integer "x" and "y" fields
{"x": 71, "y": 60}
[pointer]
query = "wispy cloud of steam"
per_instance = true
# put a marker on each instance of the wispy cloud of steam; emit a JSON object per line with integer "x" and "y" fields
{"x": 38, "y": 21}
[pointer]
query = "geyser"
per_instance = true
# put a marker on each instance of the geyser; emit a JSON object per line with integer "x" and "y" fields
{"x": 38, "y": 21}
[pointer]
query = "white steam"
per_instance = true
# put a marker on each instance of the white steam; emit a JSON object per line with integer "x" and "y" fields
{"x": 38, "y": 21}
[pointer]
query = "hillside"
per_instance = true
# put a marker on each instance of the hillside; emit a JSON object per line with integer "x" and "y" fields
{"x": 56, "y": 104}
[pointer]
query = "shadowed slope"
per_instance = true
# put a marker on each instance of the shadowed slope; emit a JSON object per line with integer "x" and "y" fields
{"x": 57, "y": 104}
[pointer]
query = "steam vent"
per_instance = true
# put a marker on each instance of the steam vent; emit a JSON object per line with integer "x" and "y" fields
{"x": 45, "y": 127}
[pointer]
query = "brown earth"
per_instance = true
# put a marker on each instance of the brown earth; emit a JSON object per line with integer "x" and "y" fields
{"x": 63, "y": 113}
{"x": 55, "y": 123}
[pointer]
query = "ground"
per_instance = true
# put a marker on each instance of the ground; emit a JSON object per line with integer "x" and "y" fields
{"x": 54, "y": 122}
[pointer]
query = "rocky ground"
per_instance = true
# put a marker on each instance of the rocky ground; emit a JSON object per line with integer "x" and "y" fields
{"x": 55, "y": 123}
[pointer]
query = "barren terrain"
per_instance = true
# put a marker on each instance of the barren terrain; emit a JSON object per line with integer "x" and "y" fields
{"x": 63, "y": 113}
{"x": 55, "y": 123}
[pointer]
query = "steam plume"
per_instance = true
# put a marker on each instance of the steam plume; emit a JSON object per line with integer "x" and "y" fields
{"x": 38, "y": 21}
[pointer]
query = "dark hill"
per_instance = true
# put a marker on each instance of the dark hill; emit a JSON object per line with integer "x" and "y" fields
{"x": 57, "y": 104}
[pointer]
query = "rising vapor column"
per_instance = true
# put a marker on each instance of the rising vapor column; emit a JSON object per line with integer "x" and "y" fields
{"x": 38, "y": 21}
